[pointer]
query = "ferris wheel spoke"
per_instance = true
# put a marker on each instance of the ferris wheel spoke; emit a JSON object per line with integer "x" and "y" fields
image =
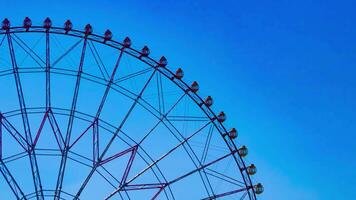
{"x": 108, "y": 86}
{"x": 70, "y": 124}
{"x": 96, "y": 142}
{"x": 160, "y": 93}
{"x": 48, "y": 67}
{"x": 10, "y": 180}
{"x": 106, "y": 148}
{"x": 26, "y": 124}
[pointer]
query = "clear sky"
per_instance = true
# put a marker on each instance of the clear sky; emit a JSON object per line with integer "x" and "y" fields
{"x": 284, "y": 72}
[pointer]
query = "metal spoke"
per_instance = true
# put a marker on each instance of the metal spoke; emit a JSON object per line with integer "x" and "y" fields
{"x": 48, "y": 67}
{"x": 160, "y": 92}
{"x": 108, "y": 86}
{"x": 26, "y": 124}
{"x": 70, "y": 125}
{"x": 95, "y": 142}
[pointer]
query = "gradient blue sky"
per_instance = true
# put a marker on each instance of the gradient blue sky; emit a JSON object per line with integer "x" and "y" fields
{"x": 284, "y": 72}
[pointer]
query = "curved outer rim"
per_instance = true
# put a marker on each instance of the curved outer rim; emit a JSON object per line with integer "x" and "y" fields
{"x": 164, "y": 71}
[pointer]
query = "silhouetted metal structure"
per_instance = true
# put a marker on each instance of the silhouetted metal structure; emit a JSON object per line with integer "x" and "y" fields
{"x": 236, "y": 182}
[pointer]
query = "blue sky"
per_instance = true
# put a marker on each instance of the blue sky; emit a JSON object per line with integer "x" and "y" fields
{"x": 282, "y": 70}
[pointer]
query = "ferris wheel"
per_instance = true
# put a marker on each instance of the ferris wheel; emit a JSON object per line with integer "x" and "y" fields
{"x": 83, "y": 116}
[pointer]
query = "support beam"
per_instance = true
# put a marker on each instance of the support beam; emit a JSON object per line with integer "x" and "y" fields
{"x": 95, "y": 142}
{"x": 70, "y": 125}
{"x": 31, "y": 152}
{"x": 108, "y": 86}
{"x": 48, "y": 78}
